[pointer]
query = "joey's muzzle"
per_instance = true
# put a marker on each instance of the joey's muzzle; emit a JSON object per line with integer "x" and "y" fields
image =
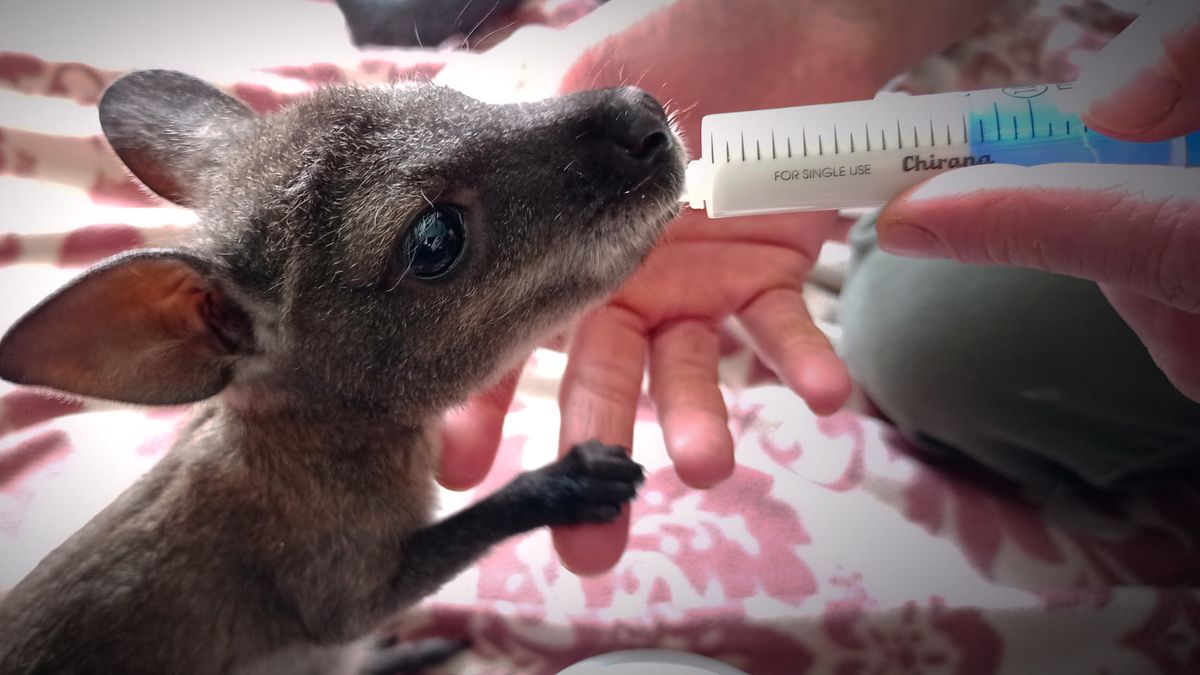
{"x": 625, "y": 131}
{"x": 637, "y": 126}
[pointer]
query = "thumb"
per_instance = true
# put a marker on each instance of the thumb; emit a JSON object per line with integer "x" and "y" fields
{"x": 1144, "y": 84}
{"x": 1133, "y": 227}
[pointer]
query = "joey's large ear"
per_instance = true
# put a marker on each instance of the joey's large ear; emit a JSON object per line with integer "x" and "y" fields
{"x": 150, "y": 327}
{"x": 169, "y": 129}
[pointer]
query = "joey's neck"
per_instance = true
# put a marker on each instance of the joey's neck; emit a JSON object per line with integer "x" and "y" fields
{"x": 321, "y": 437}
{"x": 309, "y": 469}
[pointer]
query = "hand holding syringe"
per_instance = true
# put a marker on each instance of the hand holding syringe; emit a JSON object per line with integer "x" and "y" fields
{"x": 1116, "y": 201}
{"x": 1016, "y": 176}
{"x": 1133, "y": 229}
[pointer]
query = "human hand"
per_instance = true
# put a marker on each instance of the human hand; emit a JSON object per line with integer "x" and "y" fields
{"x": 1135, "y": 230}
{"x": 700, "y": 57}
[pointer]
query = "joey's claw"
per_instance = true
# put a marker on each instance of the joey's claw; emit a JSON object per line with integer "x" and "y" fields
{"x": 590, "y": 484}
{"x": 608, "y": 461}
{"x": 600, "y": 513}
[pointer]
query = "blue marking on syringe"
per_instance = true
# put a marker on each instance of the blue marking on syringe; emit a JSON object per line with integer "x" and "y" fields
{"x": 1045, "y": 135}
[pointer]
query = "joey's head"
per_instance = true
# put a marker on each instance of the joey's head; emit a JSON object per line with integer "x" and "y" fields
{"x": 373, "y": 249}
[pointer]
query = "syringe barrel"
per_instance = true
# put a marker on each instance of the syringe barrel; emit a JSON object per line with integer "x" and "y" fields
{"x": 863, "y": 153}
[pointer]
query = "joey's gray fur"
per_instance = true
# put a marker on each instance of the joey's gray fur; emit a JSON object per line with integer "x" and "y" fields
{"x": 292, "y": 515}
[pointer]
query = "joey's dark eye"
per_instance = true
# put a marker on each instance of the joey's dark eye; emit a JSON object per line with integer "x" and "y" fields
{"x": 434, "y": 242}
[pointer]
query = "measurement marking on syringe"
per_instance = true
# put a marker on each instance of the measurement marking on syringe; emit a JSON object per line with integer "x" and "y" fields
{"x": 888, "y": 164}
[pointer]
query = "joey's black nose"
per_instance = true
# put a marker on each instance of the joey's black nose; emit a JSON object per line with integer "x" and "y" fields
{"x": 637, "y": 126}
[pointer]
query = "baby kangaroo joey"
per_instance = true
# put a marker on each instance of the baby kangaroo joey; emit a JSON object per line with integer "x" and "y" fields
{"x": 365, "y": 259}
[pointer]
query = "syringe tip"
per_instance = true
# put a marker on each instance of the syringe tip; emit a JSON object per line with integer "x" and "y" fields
{"x": 698, "y": 185}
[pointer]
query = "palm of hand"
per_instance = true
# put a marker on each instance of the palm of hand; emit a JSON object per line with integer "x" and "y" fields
{"x": 704, "y": 269}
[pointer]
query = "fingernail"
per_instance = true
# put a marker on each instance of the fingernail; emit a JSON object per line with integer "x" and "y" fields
{"x": 1138, "y": 105}
{"x": 909, "y": 240}
{"x": 1129, "y": 84}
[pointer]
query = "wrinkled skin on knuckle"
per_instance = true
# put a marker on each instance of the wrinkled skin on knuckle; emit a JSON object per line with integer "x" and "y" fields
{"x": 1177, "y": 279}
{"x": 1153, "y": 247}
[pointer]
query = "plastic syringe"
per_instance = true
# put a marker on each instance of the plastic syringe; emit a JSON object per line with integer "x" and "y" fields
{"x": 863, "y": 153}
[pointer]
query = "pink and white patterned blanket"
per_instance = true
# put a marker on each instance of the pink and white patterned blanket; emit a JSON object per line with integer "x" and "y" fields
{"x": 832, "y": 549}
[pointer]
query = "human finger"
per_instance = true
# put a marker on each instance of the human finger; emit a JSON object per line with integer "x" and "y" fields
{"x": 598, "y": 400}
{"x": 1133, "y": 227}
{"x": 786, "y": 337}
{"x": 471, "y": 435}
{"x": 684, "y": 386}
{"x": 1172, "y": 336}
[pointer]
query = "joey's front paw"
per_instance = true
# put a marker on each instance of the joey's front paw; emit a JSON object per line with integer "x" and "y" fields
{"x": 588, "y": 485}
